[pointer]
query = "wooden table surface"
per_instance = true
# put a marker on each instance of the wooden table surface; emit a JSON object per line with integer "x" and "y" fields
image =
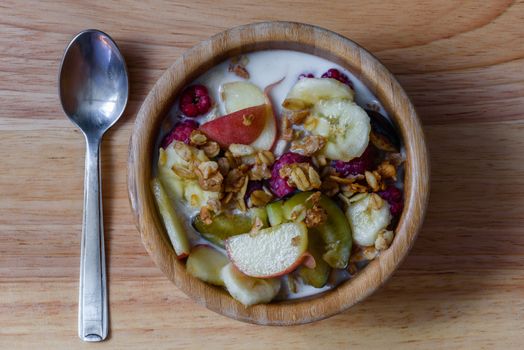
{"x": 462, "y": 286}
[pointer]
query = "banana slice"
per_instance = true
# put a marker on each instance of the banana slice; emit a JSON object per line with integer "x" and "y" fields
{"x": 177, "y": 186}
{"x": 308, "y": 91}
{"x": 248, "y": 290}
{"x": 367, "y": 217}
{"x": 344, "y": 124}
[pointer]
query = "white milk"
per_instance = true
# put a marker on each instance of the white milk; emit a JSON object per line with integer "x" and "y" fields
{"x": 265, "y": 68}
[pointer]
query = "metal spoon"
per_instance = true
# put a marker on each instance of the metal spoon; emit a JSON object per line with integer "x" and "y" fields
{"x": 93, "y": 90}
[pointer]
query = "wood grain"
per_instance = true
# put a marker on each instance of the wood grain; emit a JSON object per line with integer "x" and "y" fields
{"x": 462, "y": 286}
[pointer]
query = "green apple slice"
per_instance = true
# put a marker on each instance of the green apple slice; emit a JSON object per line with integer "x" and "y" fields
{"x": 249, "y": 290}
{"x": 173, "y": 224}
{"x": 205, "y": 262}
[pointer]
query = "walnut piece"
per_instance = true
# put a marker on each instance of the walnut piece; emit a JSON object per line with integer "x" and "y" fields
{"x": 387, "y": 170}
{"x": 308, "y": 145}
{"x": 315, "y": 216}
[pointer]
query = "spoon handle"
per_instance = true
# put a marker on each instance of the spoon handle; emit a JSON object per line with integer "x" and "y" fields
{"x": 92, "y": 304}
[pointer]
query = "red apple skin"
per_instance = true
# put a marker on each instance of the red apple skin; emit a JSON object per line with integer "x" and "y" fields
{"x": 306, "y": 258}
{"x": 236, "y": 127}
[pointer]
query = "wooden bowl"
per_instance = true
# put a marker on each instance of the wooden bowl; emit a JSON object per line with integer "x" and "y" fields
{"x": 299, "y": 37}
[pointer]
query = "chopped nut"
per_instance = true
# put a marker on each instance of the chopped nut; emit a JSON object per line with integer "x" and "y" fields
{"x": 208, "y": 168}
{"x": 301, "y": 175}
{"x": 259, "y": 172}
{"x": 197, "y": 138}
{"x": 394, "y": 158}
{"x": 314, "y": 198}
{"x": 206, "y": 215}
{"x": 370, "y": 253}
{"x": 387, "y": 170}
{"x": 375, "y": 202}
{"x": 260, "y": 198}
{"x": 213, "y": 183}
{"x": 330, "y": 187}
{"x": 308, "y": 145}
{"x": 346, "y": 180}
{"x": 234, "y": 180}
{"x": 211, "y": 149}
{"x": 239, "y": 70}
{"x": 297, "y": 117}
{"x": 239, "y": 150}
{"x": 266, "y": 157}
{"x": 183, "y": 151}
{"x": 287, "y": 131}
{"x": 223, "y": 165}
{"x": 357, "y": 197}
{"x": 247, "y": 120}
{"x": 384, "y": 240}
{"x": 231, "y": 159}
{"x": 184, "y": 172}
{"x": 315, "y": 216}
{"x": 372, "y": 180}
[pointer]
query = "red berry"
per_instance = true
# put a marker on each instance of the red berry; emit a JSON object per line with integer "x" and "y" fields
{"x": 180, "y": 132}
{"x": 279, "y": 185}
{"x": 306, "y": 75}
{"x": 195, "y": 101}
{"x": 357, "y": 165}
{"x": 394, "y": 197}
{"x": 334, "y": 73}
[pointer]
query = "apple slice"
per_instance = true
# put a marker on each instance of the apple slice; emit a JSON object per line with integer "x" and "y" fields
{"x": 243, "y": 126}
{"x": 239, "y": 95}
{"x": 270, "y": 252}
{"x": 248, "y": 290}
{"x": 268, "y": 136}
{"x": 205, "y": 263}
{"x": 174, "y": 227}
{"x": 308, "y": 91}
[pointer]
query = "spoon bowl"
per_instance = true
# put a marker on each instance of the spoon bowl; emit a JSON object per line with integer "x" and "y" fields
{"x": 94, "y": 89}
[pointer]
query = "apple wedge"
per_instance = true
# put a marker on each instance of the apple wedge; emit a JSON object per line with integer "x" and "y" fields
{"x": 243, "y": 126}
{"x": 205, "y": 263}
{"x": 270, "y": 252}
{"x": 308, "y": 91}
{"x": 239, "y": 95}
{"x": 174, "y": 227}
{"x": 248, "y": 290}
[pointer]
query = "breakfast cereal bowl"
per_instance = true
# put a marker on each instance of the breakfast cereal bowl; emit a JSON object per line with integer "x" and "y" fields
{"x": 278, "y": 173}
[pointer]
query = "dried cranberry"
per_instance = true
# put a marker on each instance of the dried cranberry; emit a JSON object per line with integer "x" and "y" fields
{"x": 180, "y": 132}
{"x": 357, "y": 165}
{"x": 334, "y": 73}
{"x": 305, "y": 75}
{"x": 394, "y": 197}
{"x": 195, "y": 101}
{"x": 279, "y": 185}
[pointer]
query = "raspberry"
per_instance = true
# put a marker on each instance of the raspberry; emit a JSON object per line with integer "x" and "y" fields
{"x": 338, "y": 75}
{"x": 180, "y": 132}
{"x": 357, "y": 165}
{"x": 195, "y": 101}
{"x": 306, "y": 75}
{"x": 394, "y": 197}
{"x": 279, "y": 185}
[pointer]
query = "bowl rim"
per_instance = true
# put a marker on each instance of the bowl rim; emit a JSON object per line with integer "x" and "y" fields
{"x": 304, "y": 38}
